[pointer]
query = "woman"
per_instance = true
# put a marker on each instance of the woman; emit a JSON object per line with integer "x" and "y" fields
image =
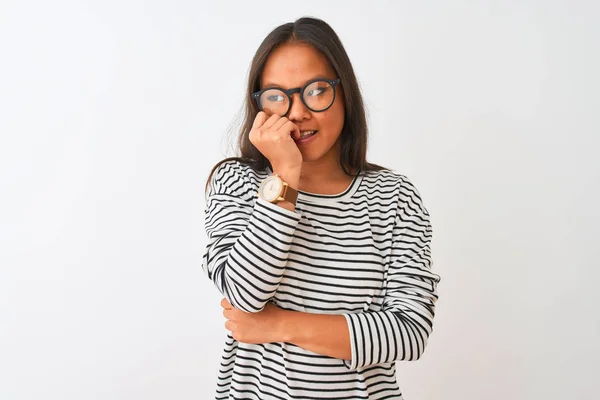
{"x": 323, "y": 258}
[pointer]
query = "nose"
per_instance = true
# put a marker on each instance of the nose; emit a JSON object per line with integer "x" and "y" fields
{"x": 298, "y": 110}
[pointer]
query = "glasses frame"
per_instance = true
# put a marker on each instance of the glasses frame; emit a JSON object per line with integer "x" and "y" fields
{"x": 290, "y": 92}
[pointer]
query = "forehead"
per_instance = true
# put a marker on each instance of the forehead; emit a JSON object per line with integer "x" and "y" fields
{"x": 292, "y": 65}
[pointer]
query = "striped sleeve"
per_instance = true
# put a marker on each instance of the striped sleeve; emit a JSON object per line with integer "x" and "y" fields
{"x": 248, "y": 239}
{"x": 401, "y": 329}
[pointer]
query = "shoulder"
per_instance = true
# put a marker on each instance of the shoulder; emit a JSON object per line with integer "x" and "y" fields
{"x": 232, "y": 168}
{"x": 392, "y": 184}
{"x": 236, "y": 178}
{"x": 389, "y": 181}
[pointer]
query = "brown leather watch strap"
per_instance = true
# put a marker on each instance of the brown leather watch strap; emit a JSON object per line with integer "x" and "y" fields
{"x": 290, "y": 194}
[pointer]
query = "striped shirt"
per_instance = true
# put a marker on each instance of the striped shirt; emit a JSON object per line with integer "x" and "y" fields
{"x": 363, "y": 253}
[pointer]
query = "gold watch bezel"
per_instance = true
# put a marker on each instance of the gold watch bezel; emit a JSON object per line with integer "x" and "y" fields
{"x": 279, "y": 197}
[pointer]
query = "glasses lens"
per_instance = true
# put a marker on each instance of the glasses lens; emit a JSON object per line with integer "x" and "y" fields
{"x": 318, "y": 95}
{"x": 274, "y": 101}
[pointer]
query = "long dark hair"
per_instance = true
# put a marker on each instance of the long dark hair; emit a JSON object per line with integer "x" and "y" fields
{"x": 318, "y": 34}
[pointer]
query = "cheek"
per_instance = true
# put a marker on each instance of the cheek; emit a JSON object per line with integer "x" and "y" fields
{"x": 333, "y": 118}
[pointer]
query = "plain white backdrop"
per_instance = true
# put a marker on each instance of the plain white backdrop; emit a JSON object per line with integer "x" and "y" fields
{"x": 113, "y": 112}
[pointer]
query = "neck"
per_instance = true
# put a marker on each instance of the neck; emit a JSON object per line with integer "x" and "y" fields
{"x": 323, "y": 170}
{"x": 320, "y": 171}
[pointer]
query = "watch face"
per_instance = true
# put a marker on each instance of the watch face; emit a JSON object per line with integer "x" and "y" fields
{"x": 270, "y": 188}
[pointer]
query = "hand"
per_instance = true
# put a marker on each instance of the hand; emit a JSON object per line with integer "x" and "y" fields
{"x": 274, "y": 137}
{"x": 265, "y": 326}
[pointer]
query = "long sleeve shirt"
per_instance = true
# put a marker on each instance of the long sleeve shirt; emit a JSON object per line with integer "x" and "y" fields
{"x": 363, "y": 253}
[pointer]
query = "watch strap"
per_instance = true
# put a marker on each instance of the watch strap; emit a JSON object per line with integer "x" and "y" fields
{"x": 290, "y": 194}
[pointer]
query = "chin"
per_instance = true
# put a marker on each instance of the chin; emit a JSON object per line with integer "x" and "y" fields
{"x": 312, "y": 156}
{"x": 309, "y": 157}
{"x": 318, "y": 151}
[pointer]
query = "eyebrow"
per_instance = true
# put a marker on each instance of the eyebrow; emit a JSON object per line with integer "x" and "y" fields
{"x": 270, "y": 84}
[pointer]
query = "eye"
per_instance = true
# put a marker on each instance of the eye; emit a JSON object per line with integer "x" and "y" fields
{"x": 316, "y": 91}
{"x": 275, "y": 98}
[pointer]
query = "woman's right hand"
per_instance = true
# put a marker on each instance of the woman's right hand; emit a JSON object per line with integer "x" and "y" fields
{"x": 274, "y": 137}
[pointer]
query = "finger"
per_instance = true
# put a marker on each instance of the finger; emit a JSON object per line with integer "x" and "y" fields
{"x": 227, "y": 313}
{"x": 271, "y": 121}
{"x": 226, "y": 304}
{"x": 230, "y": 326}
{"x": 279, "y": 123}
{"x": 292, "y": 129}
{"x": 260, "y": 119}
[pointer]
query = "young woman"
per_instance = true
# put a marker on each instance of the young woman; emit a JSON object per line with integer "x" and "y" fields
{"x": 322, "y": 257}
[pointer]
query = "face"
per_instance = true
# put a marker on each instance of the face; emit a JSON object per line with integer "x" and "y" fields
{"x": 292, "y": 66}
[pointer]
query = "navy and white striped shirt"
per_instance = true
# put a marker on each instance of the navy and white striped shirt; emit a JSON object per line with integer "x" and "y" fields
{"x": 364, "y": 253}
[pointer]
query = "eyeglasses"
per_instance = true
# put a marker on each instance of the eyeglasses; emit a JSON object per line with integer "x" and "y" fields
{"x": 317, "y": 95}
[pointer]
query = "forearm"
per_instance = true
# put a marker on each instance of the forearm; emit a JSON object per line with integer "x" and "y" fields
{"x": 320, "y": 333}
{"x": 248, "y": 267}
{"x": 378, "y": 337}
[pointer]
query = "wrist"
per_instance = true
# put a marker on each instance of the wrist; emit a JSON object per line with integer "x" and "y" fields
{"x": 287, "y": 205}
{"x": 289, "y": 328}
{"x": 289, "y": 174}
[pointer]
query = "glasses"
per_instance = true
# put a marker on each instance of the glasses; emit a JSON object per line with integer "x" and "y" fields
{"x": 317, "y": 95}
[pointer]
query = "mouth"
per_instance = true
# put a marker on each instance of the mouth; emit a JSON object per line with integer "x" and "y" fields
{"x": 304, "y": 135}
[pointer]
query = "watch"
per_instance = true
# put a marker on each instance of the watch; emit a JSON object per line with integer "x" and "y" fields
{"x": 274, "y": 189}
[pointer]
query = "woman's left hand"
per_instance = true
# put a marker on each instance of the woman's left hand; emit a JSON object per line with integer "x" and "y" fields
{"x": 266, "y": 326}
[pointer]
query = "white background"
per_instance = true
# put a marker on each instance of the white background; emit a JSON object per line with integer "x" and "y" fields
{"x": 113, "y": 112}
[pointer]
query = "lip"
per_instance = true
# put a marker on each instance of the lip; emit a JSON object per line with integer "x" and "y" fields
{"x": 308, "y": 139}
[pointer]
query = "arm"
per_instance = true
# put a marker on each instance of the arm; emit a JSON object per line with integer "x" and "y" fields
{"x": 320, "y": 333}
{"x": 401, "y": 329}
{"x": 248, "y": 239}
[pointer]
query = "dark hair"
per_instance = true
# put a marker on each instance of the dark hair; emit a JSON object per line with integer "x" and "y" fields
{"x": 321, "y": 36}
